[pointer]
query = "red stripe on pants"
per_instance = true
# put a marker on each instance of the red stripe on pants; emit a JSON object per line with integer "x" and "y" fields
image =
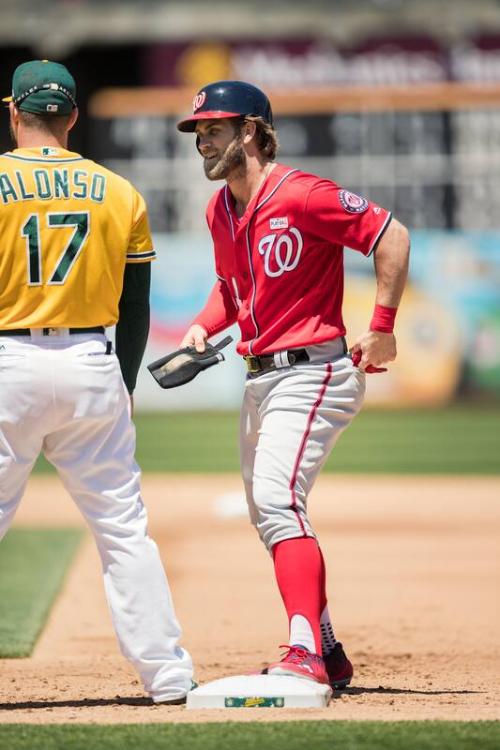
{"x": 305, "y": 437}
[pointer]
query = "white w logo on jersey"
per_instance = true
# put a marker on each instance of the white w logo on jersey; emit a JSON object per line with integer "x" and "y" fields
{"x": 281, "y": 253}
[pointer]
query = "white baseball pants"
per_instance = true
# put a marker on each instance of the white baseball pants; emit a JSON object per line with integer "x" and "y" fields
{"x": 290, "y": 420}
{"x": 63, "y": 395}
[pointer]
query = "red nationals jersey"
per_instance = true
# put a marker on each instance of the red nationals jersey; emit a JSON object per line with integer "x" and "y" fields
{"x": 280, "y": 266}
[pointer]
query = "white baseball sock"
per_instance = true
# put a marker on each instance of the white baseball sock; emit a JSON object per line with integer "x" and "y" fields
{"x": 301, "y": 633}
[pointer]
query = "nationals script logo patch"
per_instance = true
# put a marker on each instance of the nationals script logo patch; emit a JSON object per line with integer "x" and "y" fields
{"x": 281, "y": 252}
{"x": 353, "y": 203}
{"x": 199, "y": 100}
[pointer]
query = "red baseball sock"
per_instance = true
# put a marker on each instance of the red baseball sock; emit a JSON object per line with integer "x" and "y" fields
{"x": 300, "y": 575}
{"x": 323, "y": 601}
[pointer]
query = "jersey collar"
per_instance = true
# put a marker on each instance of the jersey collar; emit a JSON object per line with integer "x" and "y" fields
{"x": 267, "y": 187}
{"x": 43, "y": 154}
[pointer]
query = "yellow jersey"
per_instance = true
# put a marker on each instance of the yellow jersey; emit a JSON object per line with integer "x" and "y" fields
{"x": 68, "y": 226}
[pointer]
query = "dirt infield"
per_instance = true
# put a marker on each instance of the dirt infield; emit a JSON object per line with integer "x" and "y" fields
{"x": 413, "y": 564}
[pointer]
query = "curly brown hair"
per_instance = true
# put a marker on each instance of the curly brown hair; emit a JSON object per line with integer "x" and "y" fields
{"x": 267, "y": 138}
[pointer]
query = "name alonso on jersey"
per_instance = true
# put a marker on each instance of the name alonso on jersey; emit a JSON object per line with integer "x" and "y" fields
{"x": 47, "y": 184}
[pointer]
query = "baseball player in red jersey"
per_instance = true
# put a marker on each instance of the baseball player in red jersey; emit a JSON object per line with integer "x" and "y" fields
{"x": 278, "y": 236}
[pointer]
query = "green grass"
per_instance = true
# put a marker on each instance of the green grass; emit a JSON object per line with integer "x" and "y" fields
{"x": 456, "y": 440}
{"x": 32, "y": 567}
{"x": 317, "y": 735}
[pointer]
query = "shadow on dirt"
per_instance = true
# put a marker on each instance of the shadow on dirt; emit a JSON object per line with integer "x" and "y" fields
{"x": 87, "y": 703}
{"x": 142, "y": 701}
{"x": 381, "y": 690}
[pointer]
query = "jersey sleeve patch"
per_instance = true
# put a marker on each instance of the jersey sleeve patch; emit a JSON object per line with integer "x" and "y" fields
{"x": 343, "y": 218}
{"x": 352, "y": 203}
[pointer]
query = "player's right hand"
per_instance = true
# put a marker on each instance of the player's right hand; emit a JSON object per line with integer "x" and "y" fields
{"x": 196, "y": 336}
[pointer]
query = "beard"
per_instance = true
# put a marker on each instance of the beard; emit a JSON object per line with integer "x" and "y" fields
{"x": 220, "y": 166}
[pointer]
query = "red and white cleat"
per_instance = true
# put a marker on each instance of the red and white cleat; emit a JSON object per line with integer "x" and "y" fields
{"x": 299, "y": 662}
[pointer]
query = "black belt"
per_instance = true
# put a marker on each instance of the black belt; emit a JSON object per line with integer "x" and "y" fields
{"x": 47, "y": 331}
{"x": 257, "y": 364}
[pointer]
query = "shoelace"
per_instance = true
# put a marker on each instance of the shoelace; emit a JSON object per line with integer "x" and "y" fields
{"x": 295, "y": 654}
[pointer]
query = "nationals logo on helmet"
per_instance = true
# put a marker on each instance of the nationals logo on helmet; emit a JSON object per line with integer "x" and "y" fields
{"x": 353, "y": 203}
{"x": 199, "y": 100}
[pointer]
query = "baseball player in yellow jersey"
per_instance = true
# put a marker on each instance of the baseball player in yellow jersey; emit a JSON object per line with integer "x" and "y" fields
{"x": 75, "y": 257}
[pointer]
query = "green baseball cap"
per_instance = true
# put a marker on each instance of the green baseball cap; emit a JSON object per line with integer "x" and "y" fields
{"x": 43, "y": 87}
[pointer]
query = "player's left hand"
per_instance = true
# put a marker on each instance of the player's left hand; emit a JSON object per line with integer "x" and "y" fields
{"x": 373, "y": 349}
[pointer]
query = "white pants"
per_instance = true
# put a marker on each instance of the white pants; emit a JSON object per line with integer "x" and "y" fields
{"x": 290, "y": 421}
{"x": 65, "y": 396}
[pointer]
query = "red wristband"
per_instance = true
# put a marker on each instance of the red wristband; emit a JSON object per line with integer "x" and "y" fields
{"x": 383, "y": 319}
